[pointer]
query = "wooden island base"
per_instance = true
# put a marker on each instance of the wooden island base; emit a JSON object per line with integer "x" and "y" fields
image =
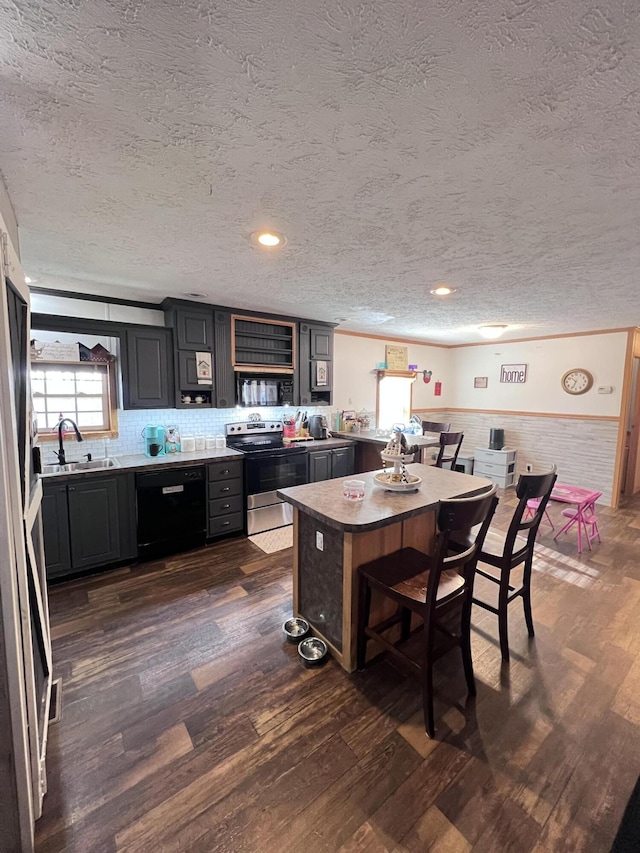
{"x": 332, "y": 537}
{"x": 325, "y": 583}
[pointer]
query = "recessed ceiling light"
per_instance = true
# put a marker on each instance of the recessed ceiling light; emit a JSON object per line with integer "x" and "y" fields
{"x": 340, "y": 319}
{"x": 492, "y": 330}
{"x": 269, "y": 239}
{"x": 195, "y": 294}
{"x": 443, "y": 290}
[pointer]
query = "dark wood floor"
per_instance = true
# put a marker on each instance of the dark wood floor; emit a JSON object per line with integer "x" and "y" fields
{"x": 188, "y": 725}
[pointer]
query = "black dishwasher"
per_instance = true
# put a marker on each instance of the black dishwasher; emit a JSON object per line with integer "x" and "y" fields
{"x": 172, "y": 513}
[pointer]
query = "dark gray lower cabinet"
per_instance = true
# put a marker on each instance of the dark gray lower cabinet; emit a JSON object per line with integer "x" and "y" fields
{"x": 55, "y": 529}
{"x": 225, "y": 497}
{"x": 88, "y": 522}
{"x": 343, "y": 461}
{"x": 319, "y": 466}
{"x": 327, "y": 464}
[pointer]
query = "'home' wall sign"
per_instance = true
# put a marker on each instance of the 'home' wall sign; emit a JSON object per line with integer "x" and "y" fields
{"x": 513, "y": 373}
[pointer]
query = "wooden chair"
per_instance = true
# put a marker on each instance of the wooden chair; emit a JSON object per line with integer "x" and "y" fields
{"x": 449, "y": 439}
{"x": 434, "y": 426}
{"x": 507, "y": 551}
{"x": 434, "y": 587}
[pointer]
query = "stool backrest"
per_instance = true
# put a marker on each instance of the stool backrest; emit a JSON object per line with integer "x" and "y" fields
{"x": 529, "y": 486}
{"x": 448, "y": 439}
{"x": 466, "y": 517}
{"x": 435, "y": 426}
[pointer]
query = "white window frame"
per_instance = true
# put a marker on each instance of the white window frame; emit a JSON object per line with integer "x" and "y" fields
{"x": 109, "y": 426}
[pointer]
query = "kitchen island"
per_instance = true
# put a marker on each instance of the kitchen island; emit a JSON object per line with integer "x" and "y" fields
{"x": 332, "y": 537}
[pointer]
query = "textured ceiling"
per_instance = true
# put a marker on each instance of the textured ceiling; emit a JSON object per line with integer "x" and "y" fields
{"x": 493, "y": 145}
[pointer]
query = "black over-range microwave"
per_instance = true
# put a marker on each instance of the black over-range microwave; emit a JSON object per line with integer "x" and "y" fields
{"x": 264, "y": 390}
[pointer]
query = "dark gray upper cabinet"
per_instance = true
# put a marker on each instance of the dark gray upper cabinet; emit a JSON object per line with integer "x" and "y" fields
{"x": 316, "y": 347}
{"x": 187, "y": 372}
{"x": 321, "y": 342}
{"x": 55, "y": 528}
{"x": 148, "y": 369}
{"x": 223, "y": 368}
{"x": 194, "y": 329}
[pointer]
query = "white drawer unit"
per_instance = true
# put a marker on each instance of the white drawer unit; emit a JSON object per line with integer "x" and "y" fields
{"x": 499, "y": 466}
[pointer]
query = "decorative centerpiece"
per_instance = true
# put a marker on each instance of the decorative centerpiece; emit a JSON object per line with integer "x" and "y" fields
{"x": 398, "y": 454}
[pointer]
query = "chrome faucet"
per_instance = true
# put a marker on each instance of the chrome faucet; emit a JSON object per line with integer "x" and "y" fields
{"x": 60, "y": 452}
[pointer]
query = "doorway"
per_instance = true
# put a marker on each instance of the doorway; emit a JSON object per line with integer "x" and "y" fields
{"x": 631, "y": 470}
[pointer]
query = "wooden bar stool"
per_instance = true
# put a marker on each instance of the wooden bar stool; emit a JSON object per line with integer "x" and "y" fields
{"x": 435, "y": 426}
{"x": 434, "y": 587}
{"x": 507, "y": 551}
{"x": 448, "y": 457}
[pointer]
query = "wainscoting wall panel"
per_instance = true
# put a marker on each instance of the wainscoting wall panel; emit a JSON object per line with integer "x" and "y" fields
{"x": 583, "y": 450}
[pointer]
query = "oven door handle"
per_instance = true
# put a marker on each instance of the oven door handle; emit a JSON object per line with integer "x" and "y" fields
{"x": 285, "y": 455}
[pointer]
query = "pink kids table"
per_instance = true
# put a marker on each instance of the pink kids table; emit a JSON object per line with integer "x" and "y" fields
{"x": 584, "y": 501}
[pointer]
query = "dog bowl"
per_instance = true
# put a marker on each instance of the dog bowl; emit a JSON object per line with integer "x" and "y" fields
{"x": 295, "y": 629}
{"x": 313, "y": 651}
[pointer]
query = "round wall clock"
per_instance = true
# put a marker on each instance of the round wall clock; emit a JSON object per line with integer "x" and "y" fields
{"x": 577, "y": 381}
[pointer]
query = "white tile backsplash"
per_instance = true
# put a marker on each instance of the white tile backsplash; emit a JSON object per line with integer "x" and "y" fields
{"x": 199, "y": 421}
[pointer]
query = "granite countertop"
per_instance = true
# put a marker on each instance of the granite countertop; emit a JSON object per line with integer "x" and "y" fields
{"x": 141, "y": 462}
{"x": 371, "y": 436}
{"x": 327, "y": 443}
{"x": 379, "y": 508}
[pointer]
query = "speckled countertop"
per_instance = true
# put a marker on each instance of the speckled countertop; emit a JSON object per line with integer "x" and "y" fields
{"x": 325, "y": 502}
{"x": 371, "y": 436}
{"x": 140, "y": 462}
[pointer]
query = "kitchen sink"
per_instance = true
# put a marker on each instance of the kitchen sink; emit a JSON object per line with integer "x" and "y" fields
{"x": 93, "y": 465}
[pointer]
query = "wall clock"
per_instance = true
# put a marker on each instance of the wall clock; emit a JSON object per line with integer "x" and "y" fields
{"x": 577, "y": 381}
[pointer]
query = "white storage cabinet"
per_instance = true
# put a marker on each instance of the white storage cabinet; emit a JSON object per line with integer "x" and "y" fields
{"x": 499, "y": 466}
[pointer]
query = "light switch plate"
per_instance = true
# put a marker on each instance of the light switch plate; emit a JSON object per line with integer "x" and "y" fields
{"x": 605, "y": 389}
{"x": 319, "y": 541}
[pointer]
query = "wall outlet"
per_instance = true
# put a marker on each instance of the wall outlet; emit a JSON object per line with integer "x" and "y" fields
{"x": 528, "y": 467}
{"x": 319, "y": 541}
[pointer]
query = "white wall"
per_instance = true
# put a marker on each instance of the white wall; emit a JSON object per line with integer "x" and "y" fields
{"x": 547, "y": 360}
{"x": 354, "y": 383}
{"x": 8, "y": 217}
{"x": 65, "y": 306}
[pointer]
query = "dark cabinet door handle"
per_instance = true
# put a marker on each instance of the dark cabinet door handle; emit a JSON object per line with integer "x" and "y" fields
{"x": 72, "y": 488}
{"x": 62, "y": 489}
{"x": 226, "y": 489}
{"x": 226, "y": 471}
{"x": 226, "y": 523}
{"x": 226, "y": 506}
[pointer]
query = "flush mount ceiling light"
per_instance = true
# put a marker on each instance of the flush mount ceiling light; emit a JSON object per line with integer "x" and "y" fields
{"x": 268, "y": 239}
{"x": 492, "y": 330}
{"x": 443, "y": 290}
{"x": 195, "y": 294}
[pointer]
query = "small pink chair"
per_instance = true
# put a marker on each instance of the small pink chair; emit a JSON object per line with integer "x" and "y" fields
{"x": 532, "y": 508}
{"x": 589, "y": 520}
